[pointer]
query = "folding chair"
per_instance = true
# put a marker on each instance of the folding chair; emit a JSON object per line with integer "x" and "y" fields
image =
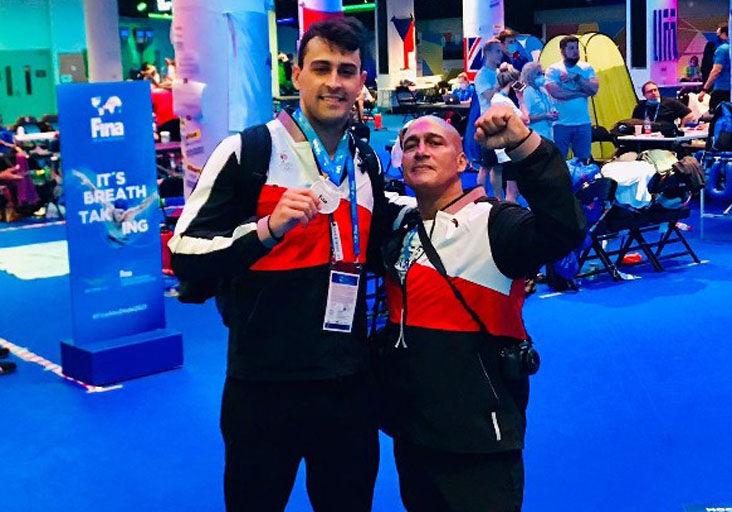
{"x": 595, "y": 197}
{"x": 672, "y": 234}
{"x": 407, "y": 103}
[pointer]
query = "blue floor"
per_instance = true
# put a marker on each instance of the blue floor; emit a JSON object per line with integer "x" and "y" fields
{"x": 630, "y": 412}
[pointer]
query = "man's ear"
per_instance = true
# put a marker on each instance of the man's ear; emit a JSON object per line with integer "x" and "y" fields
{"x": 364, "y": 75}
{"x": 462, "y": 161}
{"x": 296, "y": 76}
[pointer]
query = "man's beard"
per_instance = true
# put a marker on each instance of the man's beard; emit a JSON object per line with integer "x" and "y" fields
{"x": 570, "y": 62}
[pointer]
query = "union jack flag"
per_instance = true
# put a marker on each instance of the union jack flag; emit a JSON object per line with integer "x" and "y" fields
{"x": 472, "y": 55}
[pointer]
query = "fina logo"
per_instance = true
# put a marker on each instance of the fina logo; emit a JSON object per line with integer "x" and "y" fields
{"x": 106, "y": 130}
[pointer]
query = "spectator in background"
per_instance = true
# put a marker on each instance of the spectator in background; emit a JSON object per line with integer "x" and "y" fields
{"x": 504, "y": 170}
{"x": 539, "y": 105}
{"x": 464, "y": 89}
{"x": 692, "y": 72}
{"x": 708, "y": 57}
{"x": 150, "y": 73}
{"x": 571, "y": 82}
{"x": 170, "y": 70}
{"x": 511, "y": 49}
{"x": 364, "y": 101}
{"x": 284, "y": 74}
{"x": 486, "y": 84}
{"x": 718, "y": 82}
{"x": 657, "y": 109}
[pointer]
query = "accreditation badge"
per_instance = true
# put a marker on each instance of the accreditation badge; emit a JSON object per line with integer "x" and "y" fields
{"x": 340, "y": 308}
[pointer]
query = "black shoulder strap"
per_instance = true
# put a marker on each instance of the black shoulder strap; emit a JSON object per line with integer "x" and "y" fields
{"x": 368, "y": 157}
{"x": 256, "y": 151}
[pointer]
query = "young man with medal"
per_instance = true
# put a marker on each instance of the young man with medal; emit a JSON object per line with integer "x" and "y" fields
{"x": 456, "y": 357}
{"x": 293, "y": 275}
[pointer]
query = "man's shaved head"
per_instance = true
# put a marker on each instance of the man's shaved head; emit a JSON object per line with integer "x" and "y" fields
{"x": 443, "y": 128}
{"x": 433, "y": 159}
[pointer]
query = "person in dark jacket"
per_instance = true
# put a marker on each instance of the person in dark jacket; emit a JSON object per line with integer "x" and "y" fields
{"x": 293, "y": 275}
{"x": 457, "y": 417}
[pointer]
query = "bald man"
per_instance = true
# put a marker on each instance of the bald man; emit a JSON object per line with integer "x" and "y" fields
{"x": 454, "y": 402}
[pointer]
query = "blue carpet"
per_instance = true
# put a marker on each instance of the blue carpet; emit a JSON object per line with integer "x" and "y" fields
{"x": 630, "y": 412}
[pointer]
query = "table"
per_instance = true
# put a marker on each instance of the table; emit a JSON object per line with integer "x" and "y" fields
{"x": 167, "y": 146}
{"x": 653, "y": 141}
{"x": 443, "y": 107}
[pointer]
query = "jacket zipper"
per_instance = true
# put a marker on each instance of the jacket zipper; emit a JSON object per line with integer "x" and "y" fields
{"x": 488, "y": 378}
{"x": 494, "y": 415}
{"x": 401, "y": 341}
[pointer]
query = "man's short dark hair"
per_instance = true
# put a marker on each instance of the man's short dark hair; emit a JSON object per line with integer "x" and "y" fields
{"x": 505, "y": 34}
{"x": 347, "y": 34}
{"x": 723, "y": 29}
{"x": 649, "y": 82}
{"x": 566, "y": 40}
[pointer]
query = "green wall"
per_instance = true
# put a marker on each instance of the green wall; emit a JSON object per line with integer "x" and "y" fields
{"x": 155, "y": 53}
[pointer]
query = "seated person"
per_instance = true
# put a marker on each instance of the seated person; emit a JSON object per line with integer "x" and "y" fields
{"x": 692, "y": 72}
{"x": 658, "y": 109}
{"x": 464, "y": 90}
{"x": 9, "y": 176}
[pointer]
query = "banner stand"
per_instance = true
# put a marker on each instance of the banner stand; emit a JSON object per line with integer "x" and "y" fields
{"x": 113, "y": 233}
{"x": 129, "y": 357}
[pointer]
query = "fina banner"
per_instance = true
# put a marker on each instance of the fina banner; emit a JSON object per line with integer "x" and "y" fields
{"x": 112, "y": 209}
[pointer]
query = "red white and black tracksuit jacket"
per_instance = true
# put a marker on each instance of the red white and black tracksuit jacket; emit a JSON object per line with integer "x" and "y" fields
{"x": 442, "y": 384}
{"x": 276, "y": 298}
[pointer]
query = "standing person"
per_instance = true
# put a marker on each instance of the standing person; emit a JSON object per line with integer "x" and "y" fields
{"x": 504, "y": 170}
{"x": 539, "y": 105}
{"x": 296, "y": 385}
{"x": 453, "y": 402}
{"x": 708, "y": 57}
{"x": 486, "y": 85}
{"x": 718, "y": 82}
{"x": 571, "y": 82}
{"x": 511, "y": 49}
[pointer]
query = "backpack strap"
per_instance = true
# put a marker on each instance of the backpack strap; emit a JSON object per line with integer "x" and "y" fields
{"x": 256, "y": 151}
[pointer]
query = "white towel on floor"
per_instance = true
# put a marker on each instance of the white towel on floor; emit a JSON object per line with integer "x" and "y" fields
{"x": 36, "y": 261}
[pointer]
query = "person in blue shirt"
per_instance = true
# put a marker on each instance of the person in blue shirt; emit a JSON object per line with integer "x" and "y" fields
{"x": 718, "y": 82}
{"x": 540, "y": 106}
{"x": 511, "y": 49}
{"x": 464, "y": 90}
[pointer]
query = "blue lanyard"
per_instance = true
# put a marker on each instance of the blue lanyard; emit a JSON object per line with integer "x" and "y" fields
{"x": 334, "y": 169}
{"x": 658, "y": 107}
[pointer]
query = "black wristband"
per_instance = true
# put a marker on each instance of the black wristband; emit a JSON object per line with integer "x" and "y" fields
{"x": 522, "y": 141}
{"x": 271, "y": 233}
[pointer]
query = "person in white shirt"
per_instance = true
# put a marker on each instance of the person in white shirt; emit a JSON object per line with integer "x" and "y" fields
{"x": 539, "y": 105}
{"x": 506, "y": 78}
{"x": 364, "y": 100}
{"x": 486, "y": 80}
{"x": 571, "y": 82}
{"x": 486, "y": 85}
